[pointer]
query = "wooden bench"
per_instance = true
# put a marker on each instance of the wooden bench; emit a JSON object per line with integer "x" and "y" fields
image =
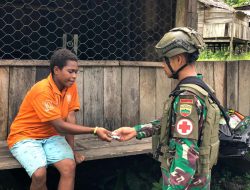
{"x": 91, "y": 147}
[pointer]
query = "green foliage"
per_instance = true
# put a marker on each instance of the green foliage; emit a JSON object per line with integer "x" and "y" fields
{"x": 223, "y": 55}
{"x": 227, "y": 180}
{"x": 236, "y": 3}
{"x": 157, "y": 185}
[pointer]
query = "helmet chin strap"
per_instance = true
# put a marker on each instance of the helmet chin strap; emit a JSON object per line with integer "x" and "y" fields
{"x": 174, "y": 73}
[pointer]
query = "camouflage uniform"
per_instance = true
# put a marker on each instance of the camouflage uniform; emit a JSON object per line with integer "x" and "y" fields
{"x": 187, "y": 121}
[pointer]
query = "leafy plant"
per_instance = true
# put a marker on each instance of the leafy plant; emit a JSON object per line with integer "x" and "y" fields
{"x": 222, "y": 55}
{"x": 237, "y": 2}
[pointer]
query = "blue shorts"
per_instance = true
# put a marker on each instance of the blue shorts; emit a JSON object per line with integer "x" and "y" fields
{"x": 36, "y": 153}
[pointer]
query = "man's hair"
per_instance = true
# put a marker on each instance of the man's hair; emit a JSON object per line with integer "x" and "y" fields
{"x": 192, "y": 57}
{"x": 60, "y": 57}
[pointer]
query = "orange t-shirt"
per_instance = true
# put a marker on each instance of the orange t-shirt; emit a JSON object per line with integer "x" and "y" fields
{"x": 44, "y": 102}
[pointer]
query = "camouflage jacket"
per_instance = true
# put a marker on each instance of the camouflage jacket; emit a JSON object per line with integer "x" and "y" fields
{"x": 187, "y": 121}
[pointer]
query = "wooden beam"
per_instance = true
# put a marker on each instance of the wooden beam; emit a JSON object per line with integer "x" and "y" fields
{"x": 181, "y": 13}
{"x": 101, "y": 63}
{"x": 186, "y": 13}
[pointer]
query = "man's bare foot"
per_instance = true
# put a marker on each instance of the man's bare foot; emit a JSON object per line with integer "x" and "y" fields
{"x": 79, "y": 158}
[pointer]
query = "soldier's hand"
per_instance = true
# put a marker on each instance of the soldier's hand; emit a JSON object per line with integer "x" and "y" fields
{"x": 125, "y": 133}
{"x": 103, "y": 134}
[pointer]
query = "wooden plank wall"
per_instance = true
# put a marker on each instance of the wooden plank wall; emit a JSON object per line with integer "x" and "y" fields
{"x": 114, "y": 94}
{"x": 217, "y": 22}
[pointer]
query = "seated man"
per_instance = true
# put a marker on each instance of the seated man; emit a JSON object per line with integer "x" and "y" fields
{"x": 47, "y": 112}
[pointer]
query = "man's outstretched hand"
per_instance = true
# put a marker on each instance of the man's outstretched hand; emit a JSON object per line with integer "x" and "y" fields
{"x": 103, "y": 134}
{"x": 125, "y": 133}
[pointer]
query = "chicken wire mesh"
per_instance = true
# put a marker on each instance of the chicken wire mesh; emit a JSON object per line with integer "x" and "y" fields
{"x": 93, "y": 29}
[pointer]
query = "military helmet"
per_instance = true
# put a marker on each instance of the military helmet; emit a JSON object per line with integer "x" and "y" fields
{"x": 179, "y": 40}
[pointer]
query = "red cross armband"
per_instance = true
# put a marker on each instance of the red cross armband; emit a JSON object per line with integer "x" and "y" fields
{"x": 187, "y": 119}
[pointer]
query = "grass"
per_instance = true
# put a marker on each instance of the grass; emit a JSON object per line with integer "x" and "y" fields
{"x": 220, "y": 55}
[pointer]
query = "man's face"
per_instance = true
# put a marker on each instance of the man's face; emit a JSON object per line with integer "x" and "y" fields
{"x": 176, "y": 62}
{"x": 67, "y": 75}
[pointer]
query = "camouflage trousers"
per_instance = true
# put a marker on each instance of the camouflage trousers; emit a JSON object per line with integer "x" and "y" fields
{"x": 174, "y": 182}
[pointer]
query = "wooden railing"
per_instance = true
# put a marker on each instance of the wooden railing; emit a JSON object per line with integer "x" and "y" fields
{"x": 119, "y": 93}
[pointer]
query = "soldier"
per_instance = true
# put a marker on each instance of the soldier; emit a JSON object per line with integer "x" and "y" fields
{"x": 185, "y": 140}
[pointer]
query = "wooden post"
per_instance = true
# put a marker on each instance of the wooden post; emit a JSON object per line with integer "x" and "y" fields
{"x": 232, "y": 84}
{"x": 232, "y": 37}
{"x": 181, "y": 12}
{"x": 186, "y": 13}
{"x": 4, "y": 86}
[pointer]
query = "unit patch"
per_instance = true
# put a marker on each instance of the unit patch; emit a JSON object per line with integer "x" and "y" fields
{"x": 48, "y": 105}
{"x": 185, "y": 110}
{"x": 184, "y": 127}
{"x": 186, "y": 101}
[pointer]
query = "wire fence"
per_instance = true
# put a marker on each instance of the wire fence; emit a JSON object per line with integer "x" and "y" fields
{"x": 93, "y": 29}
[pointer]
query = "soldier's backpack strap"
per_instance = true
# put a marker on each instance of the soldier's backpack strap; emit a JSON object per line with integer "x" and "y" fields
{"x": 203, "y": 85}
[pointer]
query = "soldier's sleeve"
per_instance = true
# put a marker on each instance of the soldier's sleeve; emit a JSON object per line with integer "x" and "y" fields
{"x": 186, "y": 117}
{"x": 184, "y": 163}
{"x": 189, "y": 110}
{"x": 148, "y": 129}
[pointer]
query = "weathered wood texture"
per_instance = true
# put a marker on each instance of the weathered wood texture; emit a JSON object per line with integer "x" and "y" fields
{"x": 163, "y": 89}
{"x": 215, "y": 22}
{"x": 244, "y": 87}
{"x": 93, "y": 96}
{"x": 4, "y": 86}
{"x": 124, "y": 95}
{"x": 90, "y": 147}
{"x": 130, "y": 96}
{"x": 114, "y": 95}
{"x": 181, "y": 12}
{"x": 21, "y": 80}
{"x": 220, "y": 81}
{"x": 147, "y": 94}
{"x": 186, "y": 13}
{"x": 233, "y": 85}
{"x": 80, "y": 88}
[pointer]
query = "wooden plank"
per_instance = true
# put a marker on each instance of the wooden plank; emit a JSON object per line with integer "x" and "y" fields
{"x": 24, "y": 63}
{"x": 163, "y": 89}
{"x": 201, "y": 18}
{"x": 42, "y": 63}
{"x": 220, "y": 81}
{"x": 192, "y": 14}
{"x": 244, "y": 87}
{"x": 42, "y": 73}
{"x": 95, "y": 143}
{"x": 140, "y": 64}
{"x": 91, "y": 150}
{"x": 21, "y": 80}
{"x": 101, "y": 63}
{"x": 93, "y": 96}
{"x": 4, "y": 86}
{"x": 174, "y": 83}
{"x": 130, "y": 96}
{"x": 9, "y": 163}
{"x": 181, "y": 13}
{"x": 232, "y": 84}
{"x": 87, "y": 63}
{"x": 112, "y": 98}
{"x": 219, "y": 20}
{"x": 213, "y": 30}
{"x": 147, "y": 94}
{"x": 80, "y": 87}
{"x": 95, "y": 154}
{"x": 207, "y": 70}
